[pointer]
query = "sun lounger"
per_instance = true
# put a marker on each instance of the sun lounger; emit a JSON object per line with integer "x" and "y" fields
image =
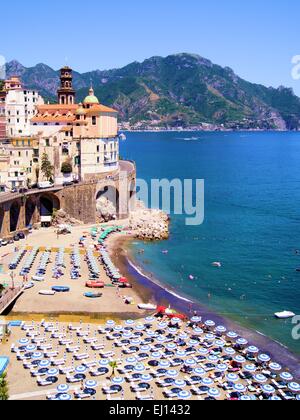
{"x": 43, "y": 382}
{"x": 83, "y": 334}
{"x": 73, "y": 349}
{"x": 72, "y": 328}
{"x": 96, "y": 373}
{"x": 110, "y": 398}
{"x": 107, "y": 355}
{"x": 164, "y": 384}
{"x": 144, "y": 397}
{"x": 90, "y": 364}
{"x": 51, "y": 397}
{"x": 81, "y": 356}
{"x": 170, "y": 395}
{"x": 51, "y": 354}
{"x": 65, "y": 342}
{"x": 57, "y": 362}
{"x": 136, "y": 388}
{"x": 278, "y": 386}
{"x": 97, "y": 347}
{"x": 156, "y": 374}
{"x": 45, "y": 347}
{"x": 91, "y": 340}
{"x": 108, "y": 391}
{"x": 35, "y": 373}
{"x": 82, "y": 395}
{"x": 72, "y": 379}
{"x": 66, "y": 370}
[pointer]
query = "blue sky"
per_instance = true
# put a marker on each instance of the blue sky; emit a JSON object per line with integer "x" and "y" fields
{"x": 257, "y": 38}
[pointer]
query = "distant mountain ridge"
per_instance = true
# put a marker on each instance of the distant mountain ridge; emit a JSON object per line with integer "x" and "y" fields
{"x": 182, "y": 89}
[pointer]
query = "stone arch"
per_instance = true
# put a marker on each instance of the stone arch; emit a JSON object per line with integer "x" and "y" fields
{"x": 14, "y": 215}
{"x": 49, "y": 203}
{"x": 107, "y": 203}
{"x": 30, "y": 209}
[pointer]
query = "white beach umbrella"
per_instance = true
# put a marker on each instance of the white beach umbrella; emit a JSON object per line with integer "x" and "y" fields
{"x": 214, "y": 393}
{"x": 221, "y": 329}
{"x": 199, "y": 371}
{"x": 180, "y": 383}
{"x": 229, "y": 351}
{"x": 222, "y": 367}
{"x": 198, "y": 331}
{"x": 184, "y": 395}
{"x": 242, "y": 342}
{"x": 294, "y": 387}
{"x": 117, "y": 380}
{"x": 91, "y": 384}
{"x": 239, "y": 388}
{"x": 245, "y": 398}
{"x": 207, "y": 381}
{"x": 196, "y": 319}
{"x": 164, "y": 364}
{"x": 63, "y": 388}
{"x": 239, "y": 359}
{"x": 210, "y": 324}
{"x": 252, "y": 350}
{"x": 250, "y": 368}
{"x": 65, "y": 397}
{"x": 286, "y": 376}
{"x": 260, "y": 378}
{"x": 268, "y": 389}
{"x": 203, "y": 351}
{"x": 172, "y": 373}
{"x": 275, "y": 367}
{"x": 264, "y": 358}
{"x": 232, "y": 335}
{"x": 232, "y": 377}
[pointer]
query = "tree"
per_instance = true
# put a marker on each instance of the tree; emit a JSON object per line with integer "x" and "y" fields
{"x": 113, "y": 366}
{"x": 66, "y": 167}
{"x": 4, "y": 396}
{"x": 47, "y": 168}
{"x": 37, "y": 173}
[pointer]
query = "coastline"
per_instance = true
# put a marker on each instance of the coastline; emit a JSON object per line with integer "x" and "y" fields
{"x": 150, "y": 289}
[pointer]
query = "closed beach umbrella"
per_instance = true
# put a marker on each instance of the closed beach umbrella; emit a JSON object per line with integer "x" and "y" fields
{"x": 260, "y": 378}
{"x": 118, "y": 380}
{"x": 63, "y": 388}
{"x": 275, "y": 367}
{"x": 91, "y": 384}
{"x": 207, "y": 381}
{"x": 286, "y": 376}
{"x": 65, "y": 397}
{"x": 184, "y": 395}
{"x": 44, "y": 363}
{"x": 294, "y": 387}
{"x": 172, "y": 373}
{"x": 180, "y": 383}
{"x": 214, "y": 393}
{"x": 268, "y": 389}
{"x": 81, "y": 369}
{"x": 232, "y": 377}
{"x": 264, "y": 358}
{"x": 240, "y": 388}
{"x": 250, "y": 368}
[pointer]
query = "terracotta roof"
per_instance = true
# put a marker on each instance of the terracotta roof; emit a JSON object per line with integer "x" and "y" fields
{"x": 48, "y": 118}
{"x": 52, "y": 108}
{"x": 100, "y": 108}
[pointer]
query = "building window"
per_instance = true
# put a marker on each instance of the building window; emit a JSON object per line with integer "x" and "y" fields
{"x": 94, "y": 121}
{"x": 47, "y": 143}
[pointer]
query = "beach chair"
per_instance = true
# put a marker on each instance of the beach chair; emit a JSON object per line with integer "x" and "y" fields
{"x": 81, "y": 395}
{"x": 97, "y": 347}
{"x": 140, "y": 397}
{"x": 90, "y": 364}
{"x": 51, "y": 354}
{"x": 43, "y": 382}
{"x": 66, "y": 370}
{"x": 73, "y": 349}
{"x": 51, "y": 397}
{"x": 108, "y": 391}
{"x": 13, "y": 348}
{"x": 170, "y": 395}
{"x": 57, "y": 362}
{"x": 72, "y": 379}
{"x": 156, "y": 374}
{"x": 81, "y": 356}
{"x": 107, "y": 355}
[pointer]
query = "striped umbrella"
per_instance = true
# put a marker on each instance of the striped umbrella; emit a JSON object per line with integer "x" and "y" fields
{"x": 145, "y": 348}
{"x": 286, "y": 376}
{"x": 268, "y": 389}
{"x": 240, "y": 388}
{"x": 229, "y": 351}
{"x": 110, "y": 323}
{"x": 53, "y": 372}
{"x": 184, "y": 395}
{"x": 213, "y": 359}
{"x": 190, "y": 362}
{"x": 104, "y": 362}
{"x": 129, "y": 322}
{"x": 260, "y": 378}
{"x": 275, "y": 398}
{"x": 242, "y": 342}
{"x": 162, "y": 325}
{"x": 222, "y": 367}
{"x": 298, "y": 397}
{"x": 65, "y": 397}
{"x": 81, "y": 369}
{"x": 232, "y": 335}
{"x": 44, "y": 363}
{"x": 183, "y": 336}
{"x": 119, "y": 328}
{"x": 210, "y": 324}
{"x": 193, "y": 343}
{"x": 275, "y": 367}
{"x": 198, "y": 331}
{"x": 139, "y": 367}
{"x": 203, "y": 351}
{"x": 118, "y": 380}
{"x": 131, "y": 360}
{"x": 221, "y": 329}
{"x": 63, "y": 388}
{"x": 199, "y": 371}
{"x": 209, "y": 337}
{"x": 252, "y": 350}
{"x": 24, "y": 341}
{"x": 294, "y": 387}
{"x": 264, "y": 358}
{"x": 164, "y": 364}
{"x": 150, "y": 319}
{"x": 207, "y": 381}
{"x": 172, "y": 373}
{"x": 140, "y": 327}
{"x": 37, "y": 355}
{"x": 91, "y": 384}
{"x": 214, "y": 393}
{"x": 31, "y": 347}
{"x": 250, "y": 368}
{"x": 161, "y": 339}
{"x": 156, "y": 355}
{"x": 171, "y": 346}
{"x": 146, "y": 378}
{"x": 220, "y": 343}
{"x": 136, "y": 341}
{"x": 245, "y": 398}
{"x": 180, "y": 383}
{"x": 232, "y": 377}
{"x": 172, "y": 330}
{"x": 239, "y": 359}
{"x": 196, "y": 319}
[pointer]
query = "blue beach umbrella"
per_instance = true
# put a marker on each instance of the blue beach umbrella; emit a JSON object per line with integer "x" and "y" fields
{"x": 172, "y": 373}
{"x": 199, "y": 371}
{"x": 65, "y": 397}
{"x": 207, "y": 381}
{"x": 203, "y": 351}
{"x": 232, "y": 377}
{"x": 240, "y": 388}
{"x": 213, "y": 359}
{"x": 252, "y": 350}
{"x": 245, "y": 398}
{"x": 198, "y": 331}
{"x": 260, "y": 378}
{"x": 222, "y": 367}
{"x": 156, "y": 355}
{"x": 286, "y": 376}
{"x": 161, "y": 339}
{"x": 214, "y": 393}
{"x": 209, "y": 337}
{"x": 210, "y": 324}
{"x": 229, "y": 351}
{"x": 63, "y": 388}
{"x": 139, "y": 367}
{"x": 150, "y": 319}
{"x": 53, "y": 372}
{"x": 172, "y": 330}
{"x": 118, "y": 380}
{"x": 91, "y": 384}
{"x": 80, "y": 369}
{"x": 136, "y": 341}
{"x": 24, "y": 341}
{"x": 151, "y": 333}
{"x": 250, "y": 368}
{"x": 164, "y": 364}
{"x": 145, "y": 348}
{"x": 180, "y": 383}
{"x": 268, "y": 389}
{"x": 184, "y": 395}
{"x": 220, "y": 343}
{"x": 119, "y": 328}
{"x": 221, "y": 329}
{"x": 131, "y": 360}
{"x": 31, "y": 347}
{"x": 37, "y": 355}
{"x": 171, "y": 346}
{"x": 232, "y": 335}
{"x": 44, "y": 363}
{"x": 140, "y": 327}
{"x": 275, "y": 398}
{"x": 196, "y": 319}
{"x": 239, "y": 359}
{"x": 294, "y": 387}
{"x": 275, "y": 367}
{"x": 242, "y": 342}
{"x": 190, "y": 362}
{"x": 146, "y": 378}
{"x": 180, "y": 353}
{"x": 264, "y": 358}
{"x": 103, "y": 362}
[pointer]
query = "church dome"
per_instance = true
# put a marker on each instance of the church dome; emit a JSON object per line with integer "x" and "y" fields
{"x": 91, "y": 98}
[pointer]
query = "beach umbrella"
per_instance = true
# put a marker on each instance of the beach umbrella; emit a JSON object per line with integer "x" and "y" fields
{"x": 161, "y": 339}
{"x": 118, "y": 380}
{"x": 221, "y": 329}
{"x": 150, "y": 319}
{"x": 298, "y": 397}
{"x": 172, "y": 330}
{"x": 156, "y": 355}
{"x": 250, "y": 368}
{"x": 199, "y": 371}
{"x": 239, "y": 359}
{"x": 190, "y": 362}
{"x": 245, "y": 398}
{"x": 129, "y": 322}
{"x": 37, "y": 355}
{"x": 31, "y": 347}
{"x": 198, "y": 331}
{"x": 140, "y": 327}
{"x": 286, "y": 376}
{"x": 213, "y": 359}
{"x": 210, "y": 324}
{"x": 146, "y": 378}
{"x": 222, "y": 367}
{"x": 209, "y": 337}
{"x": 63, "y": 388}
{"x": 252, "y": 350}
{"x": 196, "y": 319}
{"x": 240, "y": 388}
{"x": 172, "y": 373}
{"x": 229, "y": 351}
{"x": 220, "y": 343}
{"x": 53, "y": 372}
{"x": 151, "y": 333}
{"x": 164, "y": 364}
{"x": 171, "y": 346}
{"x": 232, "y": 335}
{"x": 207, "y": 381}
{"x": 193, "y": 343}
{"x": 81, "y": 369}
{"x": 176, "y": 320}
{"x": 103, "y": 362}
{"x": 275, "y": 398}
{"x": 65, "y": 397}
{"x": 127, "y": 335}
{"x": 131, "y": 360}
{"x": 44, "y": 363}
{"x": 91, "y": 384}
{"x": 275, "y": 367}
{"x": 242, "y": 342}
{"x": 264, "y": 358}
{"x": 232, "y": 377}
{"x": 180, "y": 383}
{"x": 139, "y": 367}
{"x": 136, "y": 341}
{"x": 214, "y": 393}
{"x": 203, "y": 351}
{"x": 181, "y": 353}
{"x": 184, "y": 395}
{"x": 183, "y": 336}
{"x": 294, "y": 387}
{"x": 260, "y": 378}
{"x": 119, "y": 328}
{"x": 268, "y": 389}
{"x": 24, "y": 341}
{"x": 145, "y": 348}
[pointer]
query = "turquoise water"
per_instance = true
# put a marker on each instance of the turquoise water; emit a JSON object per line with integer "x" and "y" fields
{"x": 252, "y": 223}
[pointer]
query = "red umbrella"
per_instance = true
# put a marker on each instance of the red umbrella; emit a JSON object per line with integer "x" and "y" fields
{"x": 123, "y": 280}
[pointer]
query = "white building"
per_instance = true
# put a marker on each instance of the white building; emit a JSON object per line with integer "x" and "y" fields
{"x": 20, "y": 107}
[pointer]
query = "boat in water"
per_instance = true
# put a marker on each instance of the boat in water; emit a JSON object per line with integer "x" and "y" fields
{"x": 284, "y": 315}
{"x": 217, "y": 264}
{"x": 122, "y": 137}
{"x": 147, "y": 307}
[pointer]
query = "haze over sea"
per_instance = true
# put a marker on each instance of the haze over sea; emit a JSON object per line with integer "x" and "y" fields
{"x": 252, "y": 223}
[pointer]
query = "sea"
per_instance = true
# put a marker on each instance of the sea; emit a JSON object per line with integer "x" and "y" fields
{"x": 251, "y": 224}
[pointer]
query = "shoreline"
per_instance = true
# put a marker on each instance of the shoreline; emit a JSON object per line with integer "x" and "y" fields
{"x": 148, "y": 287}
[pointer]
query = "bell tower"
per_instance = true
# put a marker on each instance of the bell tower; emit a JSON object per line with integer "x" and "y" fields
{"x": 66, "y": 93}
